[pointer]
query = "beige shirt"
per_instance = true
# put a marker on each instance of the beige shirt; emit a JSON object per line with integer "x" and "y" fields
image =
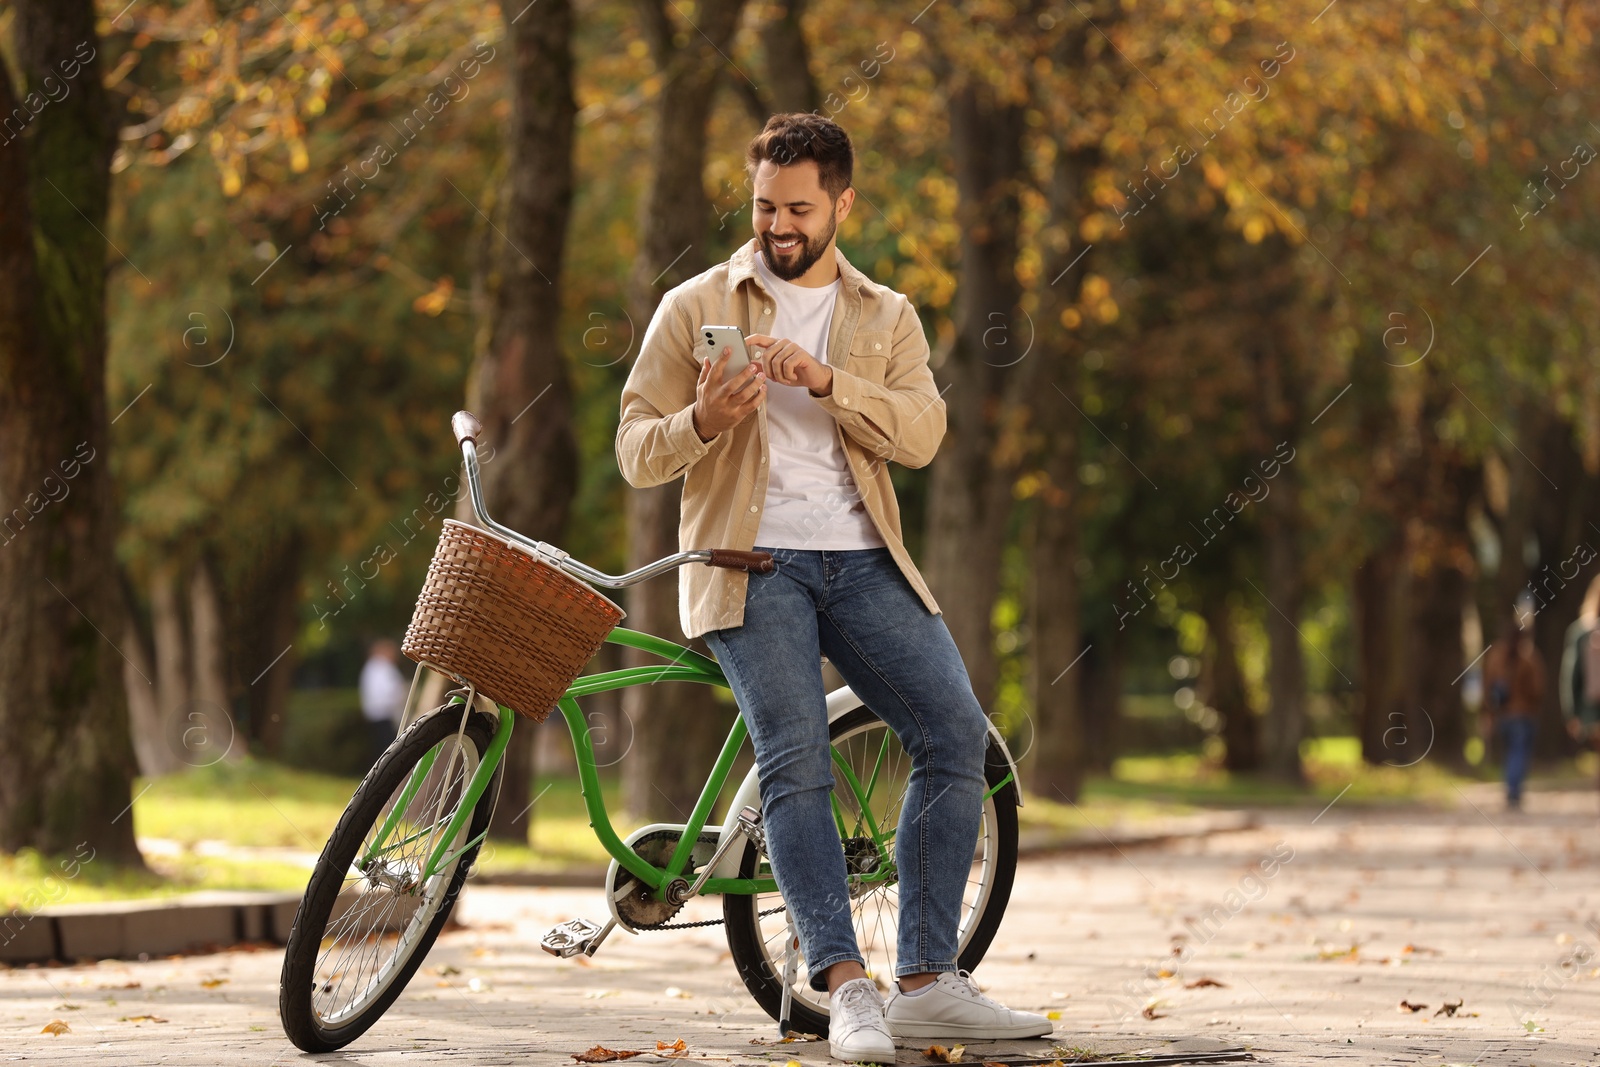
{"x": 884, "y": 402}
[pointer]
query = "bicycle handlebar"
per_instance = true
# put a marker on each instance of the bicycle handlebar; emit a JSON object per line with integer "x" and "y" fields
{"x": 467, "y": 428}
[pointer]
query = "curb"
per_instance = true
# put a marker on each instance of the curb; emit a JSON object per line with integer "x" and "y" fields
{"x": 195, "y": 922}
{"x": 218, "y": 920}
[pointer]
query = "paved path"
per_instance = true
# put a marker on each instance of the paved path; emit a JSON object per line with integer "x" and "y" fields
{"x": 1315, "y": 930}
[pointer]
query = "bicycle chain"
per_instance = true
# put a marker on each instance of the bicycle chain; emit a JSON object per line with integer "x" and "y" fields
{"x": 707, "y": 922}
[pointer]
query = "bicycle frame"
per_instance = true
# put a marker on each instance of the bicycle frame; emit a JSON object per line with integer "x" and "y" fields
{"x": 683, "y": 664}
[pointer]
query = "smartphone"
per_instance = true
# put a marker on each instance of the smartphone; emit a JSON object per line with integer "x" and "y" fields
{"x": 715, "y": 338}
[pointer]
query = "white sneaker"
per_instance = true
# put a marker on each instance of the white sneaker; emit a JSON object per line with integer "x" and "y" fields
{"x": 952, "y": 1007}
{"x": 855, "y": 1023}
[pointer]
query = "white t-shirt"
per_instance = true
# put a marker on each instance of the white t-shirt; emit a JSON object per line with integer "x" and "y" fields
{"x": 812, "y": 500}
{"x": 383, "y": 690}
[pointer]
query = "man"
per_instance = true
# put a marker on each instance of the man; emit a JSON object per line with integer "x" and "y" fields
{"x": 383, "y": 695}
{"x": 789, "y": 456}
{"x": 1580, "y": 670}
{"x": 1513, "y": 688}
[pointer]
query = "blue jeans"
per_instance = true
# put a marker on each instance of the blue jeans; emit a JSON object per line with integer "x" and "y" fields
{"x": 856, "y": 608}
{"x": 1517, "y": 731}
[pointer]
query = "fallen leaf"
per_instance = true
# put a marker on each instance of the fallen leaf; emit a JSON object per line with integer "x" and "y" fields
{"x": 1165, "y": 972}
{"x": 1420, "y": 950}
{"x": 677, "y": 1048}
{"x": 141, "y": 1019}
{"x": 680, "y": 994}
{"x": 1202, "y": 983}
{"x": 1406, "y": 1005}
{"x": 792, "y": 1063}
{"x": 446, "y": 971}
{"x": 601, "y": 1054}
{"x": 1449, "y": 1008}
{"x": 940, "y": 1054}
{"x": 1052, "y": 1015}
{"x": 55, "y": 1027}
{"x": 212, "y": 983}
{"x": 1151, "y": 1013}
{"x": 1331, "y": 953}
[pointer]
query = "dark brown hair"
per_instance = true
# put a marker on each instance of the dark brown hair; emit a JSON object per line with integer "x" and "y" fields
{"x": 798, "y": 136}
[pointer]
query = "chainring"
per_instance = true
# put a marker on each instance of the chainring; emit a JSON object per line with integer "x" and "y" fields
{"x": 637, "y": 906}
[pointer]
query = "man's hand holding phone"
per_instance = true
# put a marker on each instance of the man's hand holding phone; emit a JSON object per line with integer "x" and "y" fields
{"x": 790, "y": 364}
{"x": 721, "y": 405}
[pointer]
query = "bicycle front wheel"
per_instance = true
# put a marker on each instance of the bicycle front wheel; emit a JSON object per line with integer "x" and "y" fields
{"x": 758, "y": 927}
{"x": 369, "y": 915}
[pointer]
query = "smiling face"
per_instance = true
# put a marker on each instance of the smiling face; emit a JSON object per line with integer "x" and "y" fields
{"x": 796, "y": 220}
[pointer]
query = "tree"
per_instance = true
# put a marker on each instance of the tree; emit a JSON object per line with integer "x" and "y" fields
{"x": 970, "y": 490}
{"x": 291, "y": 431}
{"x": 66, "y": 763}
{"x": 675, "y": 731}
{"x": 522, "y": 370}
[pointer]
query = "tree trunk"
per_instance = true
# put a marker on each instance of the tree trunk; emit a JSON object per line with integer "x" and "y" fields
{"x": 969, "y": 495}
{"x": 1281, "y": 392}
{"x": 208, "y": 662}
{"x": 676, "y": 728}
{"x": 66, "y": 759}
{"x": 264, "y": 618}
{"x": 1378, "y": 589}
{"x": 787, "y": 74}
{"x": 520, "y": 387}
{"x": 144, "y": 709}
{"x": 1222, "y": 687}
{"x": 1055, "y": 766}
{"x": 167, "y": 630}
{"x": 1103, "y": 666}
{"x": 1567, "y": 527}
{"x": 1059, "y": 759}
{"x": 1285, "y": 593}
{"x": 1435, "y": 721}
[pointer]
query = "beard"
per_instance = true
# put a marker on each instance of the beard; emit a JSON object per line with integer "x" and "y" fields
{"x": 791, "y": 265}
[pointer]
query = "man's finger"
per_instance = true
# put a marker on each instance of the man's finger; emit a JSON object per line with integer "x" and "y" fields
{"x": 751, "y": 375}
{"x": 754, "y": 401}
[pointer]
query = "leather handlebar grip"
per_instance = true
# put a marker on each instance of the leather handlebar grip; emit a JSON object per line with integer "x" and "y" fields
{"x": 755, "y": 562}
{"x": 466, "y": 427}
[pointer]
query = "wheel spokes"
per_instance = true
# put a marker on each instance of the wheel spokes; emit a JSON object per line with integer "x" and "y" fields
{"x": 383, "y": 903}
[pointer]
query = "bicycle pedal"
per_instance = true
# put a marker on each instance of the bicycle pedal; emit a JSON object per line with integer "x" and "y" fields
{"x": 571, "y": 938}
{"x": 750, "y": 823}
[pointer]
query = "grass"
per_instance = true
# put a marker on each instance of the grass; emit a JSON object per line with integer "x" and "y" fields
{"x": 29, "y": 881}
{"x": 258, "y": 805}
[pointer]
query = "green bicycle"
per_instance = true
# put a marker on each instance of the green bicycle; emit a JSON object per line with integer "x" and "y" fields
{"x": 518, "y": 619}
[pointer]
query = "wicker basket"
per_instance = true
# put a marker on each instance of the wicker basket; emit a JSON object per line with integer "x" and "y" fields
{"x": 500, "y": 619}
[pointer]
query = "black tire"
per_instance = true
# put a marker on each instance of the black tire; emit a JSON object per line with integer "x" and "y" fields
{"x": 321, "y": 941}
{"x": 756, "y": 942}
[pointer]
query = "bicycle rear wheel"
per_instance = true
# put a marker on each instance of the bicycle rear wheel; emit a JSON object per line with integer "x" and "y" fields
{"x": 368, "y": 917}
{"x": 873, "y": 754}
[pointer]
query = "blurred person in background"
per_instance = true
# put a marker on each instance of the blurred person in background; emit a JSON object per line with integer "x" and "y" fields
{"x": 1580, "y": 671}
{"x": 383, "y": 695}
{"x": 1513, "y": 687}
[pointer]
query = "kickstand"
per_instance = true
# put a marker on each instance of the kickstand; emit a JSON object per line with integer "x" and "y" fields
{"x": 791, "y": 964}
